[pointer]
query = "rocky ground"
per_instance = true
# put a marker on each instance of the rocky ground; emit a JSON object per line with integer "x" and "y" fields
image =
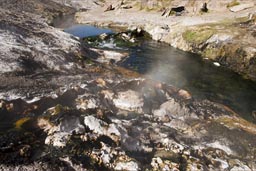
{"x": 64, "y": 107}
{"x": 218, "y": 34}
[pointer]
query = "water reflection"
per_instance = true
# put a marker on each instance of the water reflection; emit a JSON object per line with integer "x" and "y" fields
{"x": 185, "y": 70}
{"x": 188, "y": 71}
{"x": 86, "y": 31}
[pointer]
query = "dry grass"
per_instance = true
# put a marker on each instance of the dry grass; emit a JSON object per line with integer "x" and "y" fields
{"x": 233, "y": 3}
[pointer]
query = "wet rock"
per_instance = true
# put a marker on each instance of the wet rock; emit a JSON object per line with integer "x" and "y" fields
{"x": 172, "y": 109}
{"x": 173, "y": 137}
{"x": 103, "y": 36}
{"x": 60, "y": 126}
{"x": 108, "y": 56}
{"x": 184, "y": 94}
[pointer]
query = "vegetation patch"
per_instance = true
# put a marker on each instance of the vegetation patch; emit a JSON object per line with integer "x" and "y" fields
{"x": 210, "y": 53}
{"x": 197, "y": 36}
{"x": 233, "y": 3}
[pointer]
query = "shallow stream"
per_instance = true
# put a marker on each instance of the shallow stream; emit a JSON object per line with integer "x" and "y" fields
{"x": 184, "y": 70}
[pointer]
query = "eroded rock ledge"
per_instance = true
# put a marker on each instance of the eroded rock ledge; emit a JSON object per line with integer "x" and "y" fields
{"x": 94, "y": 126}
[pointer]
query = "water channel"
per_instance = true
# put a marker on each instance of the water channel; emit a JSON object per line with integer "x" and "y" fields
{"x": 185, "y": 70}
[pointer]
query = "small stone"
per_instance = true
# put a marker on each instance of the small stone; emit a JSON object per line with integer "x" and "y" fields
{"x": 103, "y": 36}
{"x": 184, "y": 94}
{"x": 216, "y": 64}
{"x": 101, "y": 82}
{"x": 159, "y": 160}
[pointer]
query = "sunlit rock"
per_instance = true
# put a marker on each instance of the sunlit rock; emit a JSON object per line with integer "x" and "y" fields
{"x": 129, "y": 166}
{"x": 58, "y": 139}
{"x": 172, "y": 109}
{"x": 158, "y": 32}
{"x": 129, "y": 100}
{"x": 87, "y": 101}
{"x": 100, "y": 127}
{"x": 184, "y": 94}
{"x": 241, "y": 7}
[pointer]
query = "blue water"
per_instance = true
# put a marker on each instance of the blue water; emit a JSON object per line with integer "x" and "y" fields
{"x": 82, "y": 31}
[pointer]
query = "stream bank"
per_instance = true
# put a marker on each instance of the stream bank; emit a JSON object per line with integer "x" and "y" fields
{"x": 222, "y": 36}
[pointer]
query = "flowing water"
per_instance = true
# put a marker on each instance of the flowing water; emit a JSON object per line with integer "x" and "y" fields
{"x": 185, "y": 70}
{"x": 200, "y": 77}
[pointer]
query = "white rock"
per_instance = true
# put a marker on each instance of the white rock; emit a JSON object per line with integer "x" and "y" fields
{"x": 112, "y": 129}
{"x": 94, "y": 124}
{"x": 218, "y": 38}
{"x": 103, "y": 36}
{"x": 107, "y": 55}
{"x": 223, "y": 164}
{"x": 157, "y": 32}
{"x": 57, "y": 139}
{"x": 35, "y": 99}
{"x": 129, "y": 166}
{"x": 216, "y": 64}
{"x": 159, "y": 160}
{"x": 172, "y": 109}
{"x": 101, "y": 127}
{"x": 86, "y": 103}
{"x": 221, "y": 146}
{"x": 241, "y": 7}
{"x": 129, "y": 100}
{"x": 241, "y": 168}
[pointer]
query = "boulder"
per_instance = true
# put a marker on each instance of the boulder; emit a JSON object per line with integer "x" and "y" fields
{"x": 129, "y": 100}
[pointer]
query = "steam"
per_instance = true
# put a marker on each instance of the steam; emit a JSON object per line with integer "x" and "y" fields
{"x": 167, "y": 65}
